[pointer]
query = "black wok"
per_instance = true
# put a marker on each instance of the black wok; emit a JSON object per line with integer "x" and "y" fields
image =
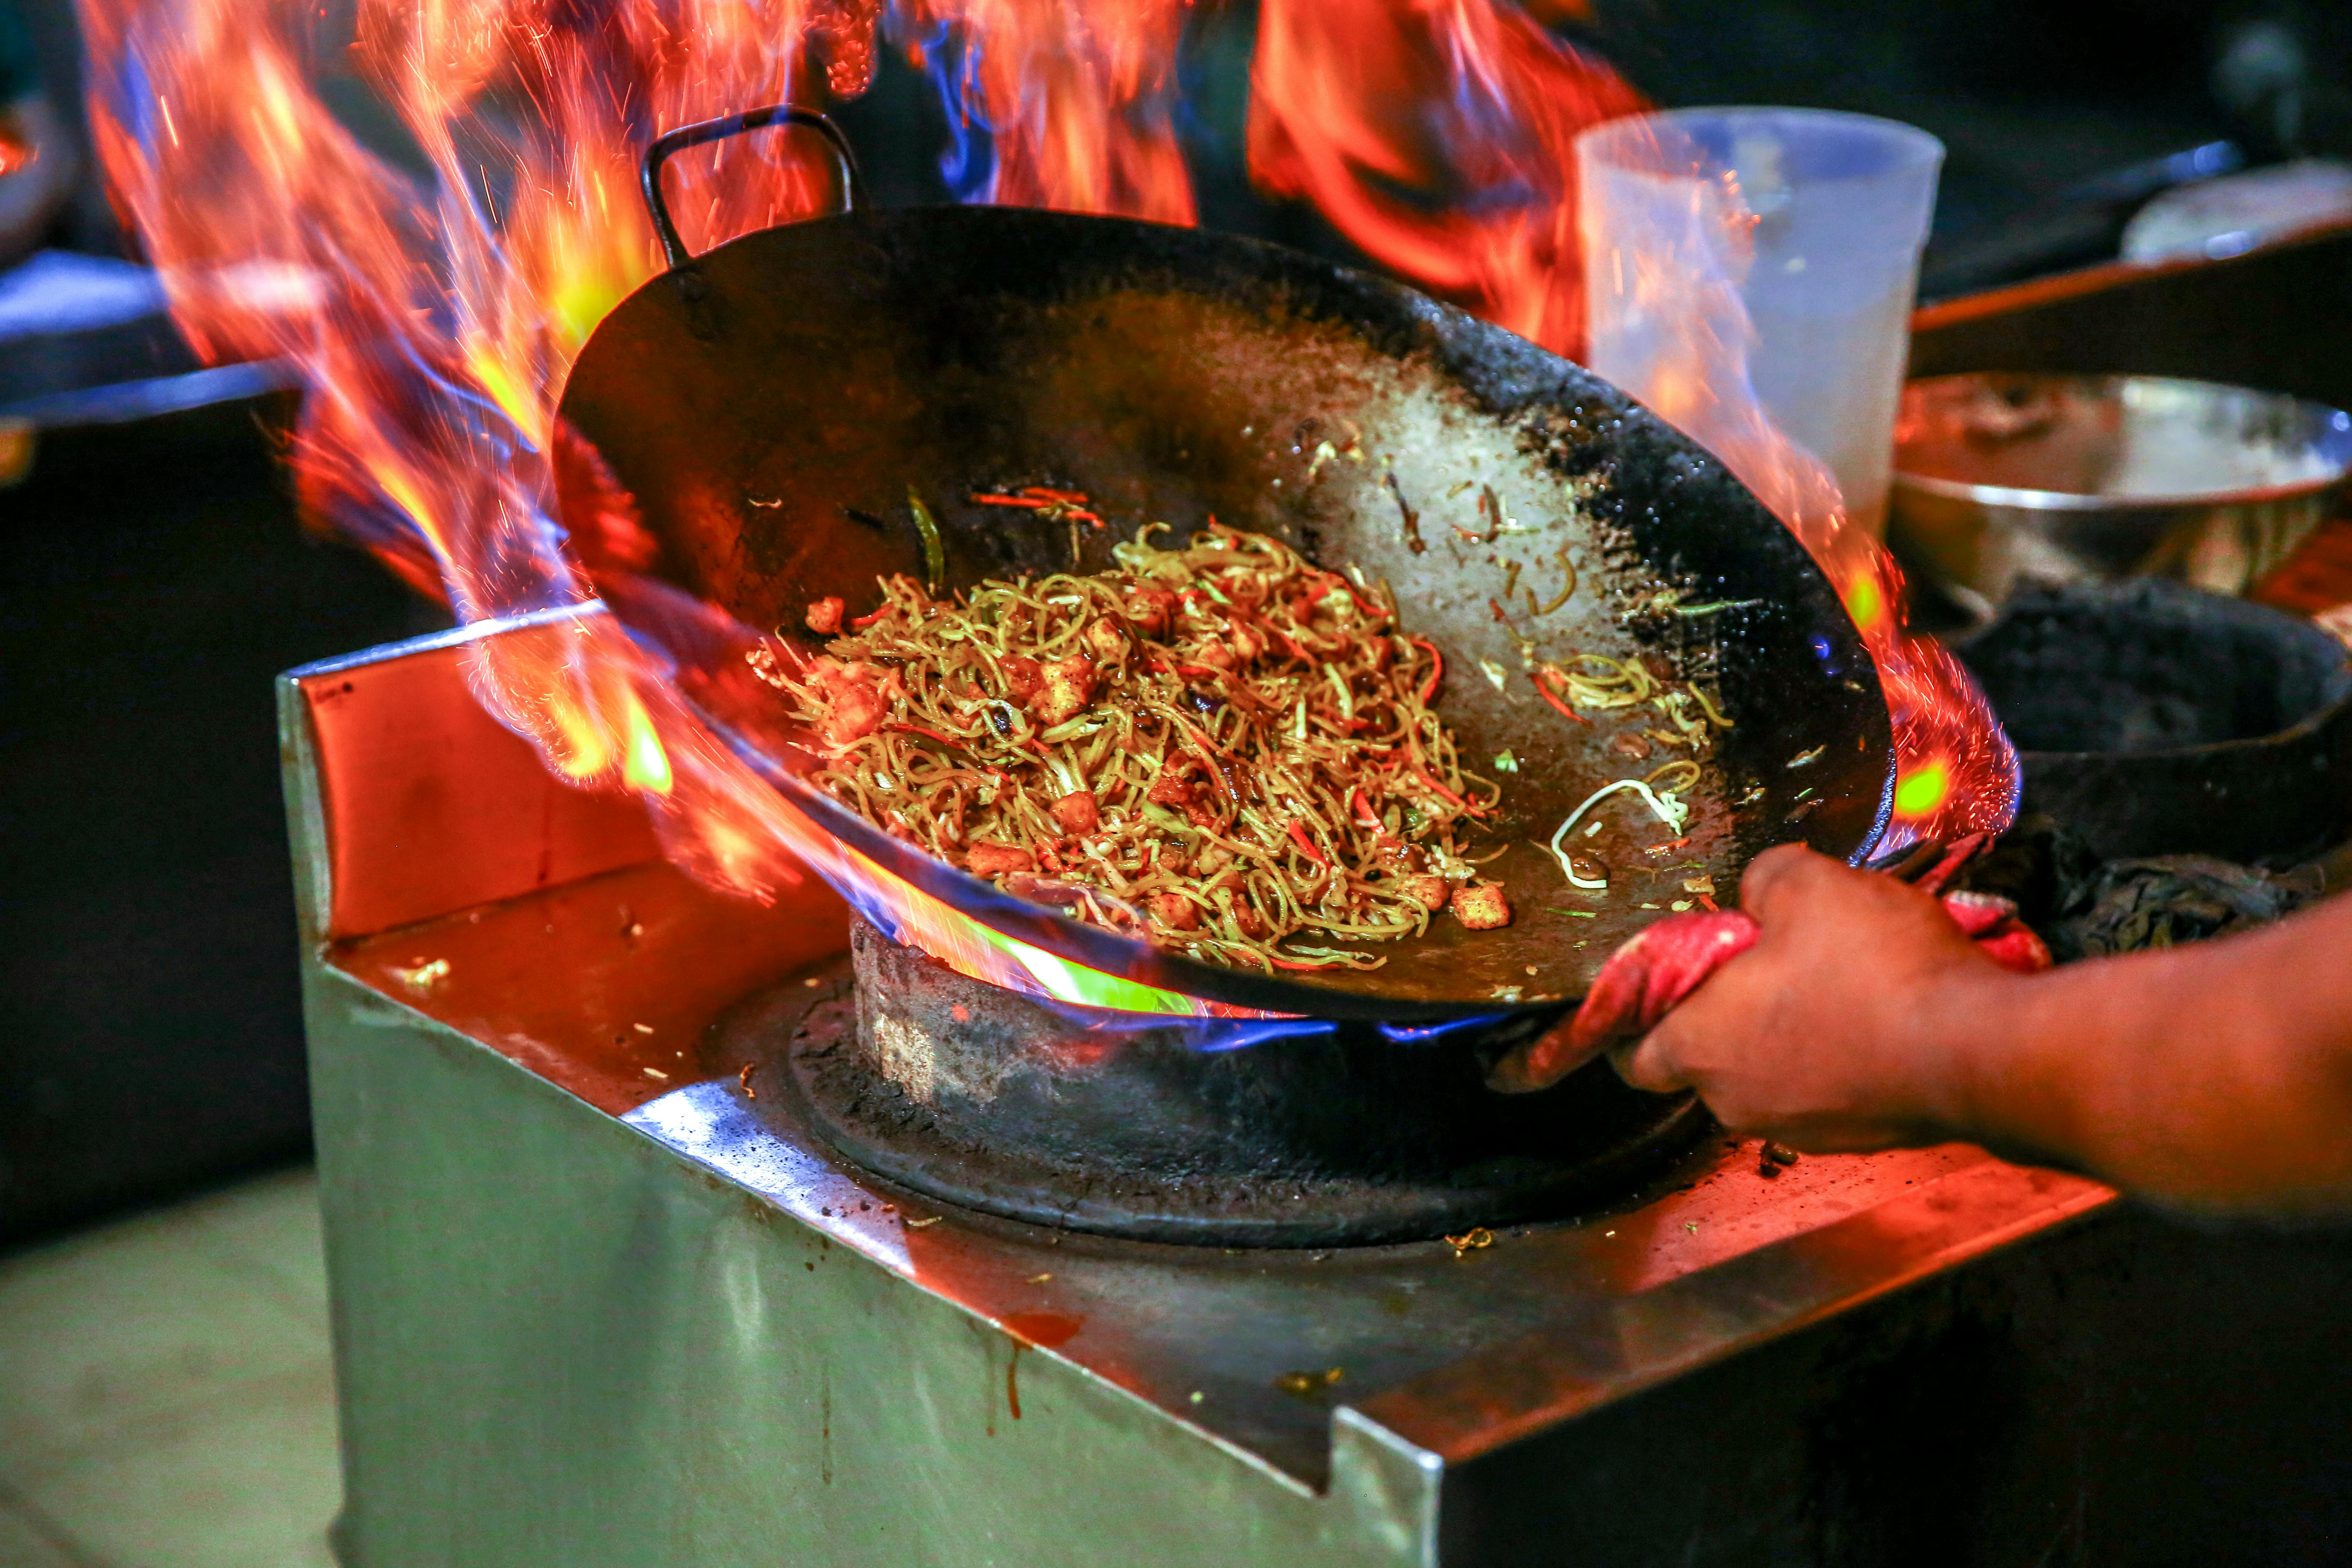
{"x": 769, "y": 403}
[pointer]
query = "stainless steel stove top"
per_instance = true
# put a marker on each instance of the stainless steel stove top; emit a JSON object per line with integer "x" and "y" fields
{"x": 536, "y": 1136}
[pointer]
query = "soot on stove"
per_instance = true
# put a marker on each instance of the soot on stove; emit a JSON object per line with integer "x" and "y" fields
{"x": 2154, "y": 719}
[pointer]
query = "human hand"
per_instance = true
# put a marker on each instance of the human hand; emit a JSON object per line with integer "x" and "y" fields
{"x": 1844, "y": 1026}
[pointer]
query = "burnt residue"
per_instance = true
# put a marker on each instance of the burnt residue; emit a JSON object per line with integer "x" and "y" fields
{"x": 1408, "y": 516}
{"x": 2154, "y": 719}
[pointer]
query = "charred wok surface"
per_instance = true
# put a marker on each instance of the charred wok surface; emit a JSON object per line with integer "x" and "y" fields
{"x": 771, "y": 406}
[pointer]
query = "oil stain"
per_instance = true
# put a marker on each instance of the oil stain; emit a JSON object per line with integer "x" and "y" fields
{"x": 1043, "y": 1329}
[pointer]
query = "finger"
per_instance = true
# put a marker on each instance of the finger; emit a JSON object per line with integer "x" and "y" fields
{"x": 1648, "y": 1064}
{"x": 1539, "y": 1064}
{"x": 1780, "y": 876}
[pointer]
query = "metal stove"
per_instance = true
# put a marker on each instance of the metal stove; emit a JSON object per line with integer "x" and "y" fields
{"x": 605, "y": 1291}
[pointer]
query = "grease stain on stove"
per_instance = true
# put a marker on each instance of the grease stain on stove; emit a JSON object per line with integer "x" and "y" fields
{"x": 1044, "y": 1331}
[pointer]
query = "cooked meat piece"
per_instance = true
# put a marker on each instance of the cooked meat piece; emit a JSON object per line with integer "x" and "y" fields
{"x": 1078, "y": 813}
{"x": 1069, "y": 687}
{"x": 824, "y": 617}
{"x": 1174, "y": 911}
{"x": 1153, "y": 610}
{"x": 1171, "y": 789}
{"x": 996, "y": 859}
{"x": 1481, "y": 907}
{"x": 1429, "y": 892}
{"x": 858, "y": 711}
{"x": 1105, "y": 641}
{"x": 1212, "y": 654}
{"x": 1024, "y": 676}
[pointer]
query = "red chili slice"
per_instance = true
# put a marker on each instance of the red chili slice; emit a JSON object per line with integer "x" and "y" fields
{"x": 1307, "y": 846}
{"x": 1563, "y": 708}
{"x": 1413, "y": 759}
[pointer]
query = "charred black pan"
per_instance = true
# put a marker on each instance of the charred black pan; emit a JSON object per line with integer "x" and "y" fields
{"x": 771, "y": 403}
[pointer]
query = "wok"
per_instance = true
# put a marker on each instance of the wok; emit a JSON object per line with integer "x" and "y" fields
{"x": 771, "y": 403}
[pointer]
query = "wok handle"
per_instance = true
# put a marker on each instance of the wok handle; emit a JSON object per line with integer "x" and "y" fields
{"x": 674, "y": 250}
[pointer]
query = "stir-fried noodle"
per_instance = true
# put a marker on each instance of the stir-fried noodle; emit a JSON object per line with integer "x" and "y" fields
{"x": 1220, "y": 740}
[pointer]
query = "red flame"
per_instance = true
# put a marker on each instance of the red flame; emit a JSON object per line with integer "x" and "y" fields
{"x": 1079, "y": 99}
{"x": 1955, "y": 772}
{"x": 1438, "y": 136}
{"x": 433, "y": 320}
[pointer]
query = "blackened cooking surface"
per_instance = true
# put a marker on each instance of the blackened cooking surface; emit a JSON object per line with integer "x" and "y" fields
{"x": 2149, "y": 666}
{"x": 991, "y": 1101}
{"x": 771, "y": 406}
{"x": 2152, "y": 718}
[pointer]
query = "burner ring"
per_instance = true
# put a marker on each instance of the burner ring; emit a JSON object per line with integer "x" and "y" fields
{"x": 989, "y": 1100}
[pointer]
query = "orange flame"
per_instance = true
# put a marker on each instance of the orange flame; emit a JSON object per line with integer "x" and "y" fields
{"x": 1955, "y": 771}
{"x": 434, "y": 319}
{"x": 1075, "y": 100}
{"x": 434, "y": 323}
{"x": 1439, "y": 136}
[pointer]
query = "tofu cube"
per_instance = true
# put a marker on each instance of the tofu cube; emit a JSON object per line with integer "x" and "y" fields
{"x": 996, "y": 859}
{"x": 1481, "y": 907}
{"x": 1068, "y": 687}
{"x": 1077, "y": 814}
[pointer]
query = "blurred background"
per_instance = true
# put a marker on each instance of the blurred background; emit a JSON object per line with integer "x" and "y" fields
{"x": 158, "y": 577}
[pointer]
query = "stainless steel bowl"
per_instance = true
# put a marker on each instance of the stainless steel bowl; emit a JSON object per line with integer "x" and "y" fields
{"x": 2075, "y": 479}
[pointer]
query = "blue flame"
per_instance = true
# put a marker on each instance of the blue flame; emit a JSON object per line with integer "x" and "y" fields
{"x": 951, "y": 57}
{"x": 1417, "y": 1033}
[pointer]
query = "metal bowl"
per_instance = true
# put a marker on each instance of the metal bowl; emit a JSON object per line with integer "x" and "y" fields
{"x": 2074, "y": 479}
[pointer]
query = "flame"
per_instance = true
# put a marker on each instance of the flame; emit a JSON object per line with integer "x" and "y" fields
{"x": 1956, "y": 772}
{"x": 1437, "y": 135}
{"x": 433, "y": 306}
{"x": 434, "y": 319}
{"x": 1068, "y": 105}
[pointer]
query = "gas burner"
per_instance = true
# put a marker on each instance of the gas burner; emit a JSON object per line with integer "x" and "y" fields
{"x": 2156, "y": 718}
{"x": 1288, "y": 1133}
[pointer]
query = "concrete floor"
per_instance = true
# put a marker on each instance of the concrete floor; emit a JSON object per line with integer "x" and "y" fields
{"x": 166, "y": 1395}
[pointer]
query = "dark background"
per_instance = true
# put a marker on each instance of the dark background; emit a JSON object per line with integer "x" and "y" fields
{"x": 155, "y": 577}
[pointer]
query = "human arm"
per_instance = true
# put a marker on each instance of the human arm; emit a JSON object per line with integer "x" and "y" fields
{"x": 2215, "y": 1076}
